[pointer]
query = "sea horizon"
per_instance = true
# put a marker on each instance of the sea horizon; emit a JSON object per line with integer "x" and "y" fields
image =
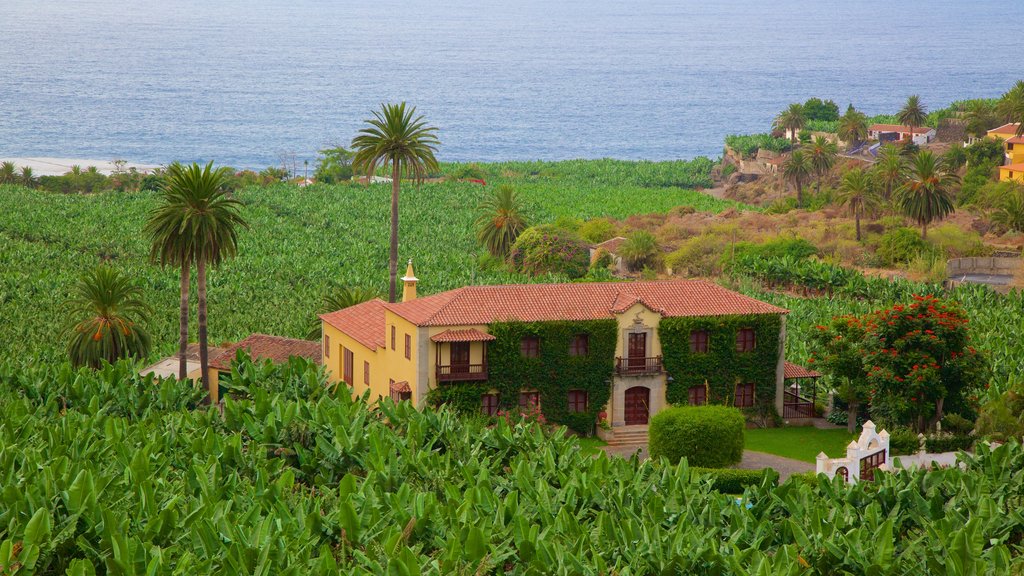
{"x": 245, "y": 84}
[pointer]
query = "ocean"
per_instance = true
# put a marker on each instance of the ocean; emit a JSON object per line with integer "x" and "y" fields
{"x": 248, "y": 82}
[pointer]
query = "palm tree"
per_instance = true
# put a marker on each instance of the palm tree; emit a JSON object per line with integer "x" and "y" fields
{"x": 853, "y": 126}
{"x": 397, "y": 136}
{"x": 913, "y": 114}
{"x": 1009, "y": 213}
{"x": 196, "y": 222}
{"x": 640, "y": 250}
{"x": 8, "y": 173}
{"x": 338, "y": 300}
{"x": 822, "y": 154}
{"x": 891, "y": 168}
{"x": 500, "y": 220}
{"x": 108, "y": 311}
{"x": 797, "y": 169}
{"x": 980, "y": 117}
{"x": 1011, "y": 106}
{"x": 791, "y": 120}
{"x": 927, "y": 195}
{"x": 27, "y": 178}
{"x": 857, "y": 191}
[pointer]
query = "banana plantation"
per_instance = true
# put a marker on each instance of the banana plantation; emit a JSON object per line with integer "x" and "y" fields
{"x": 109, "y": 473}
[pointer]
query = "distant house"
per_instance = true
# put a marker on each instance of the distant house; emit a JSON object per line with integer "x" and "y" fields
{"x": 896, "y": 132}
{"x": 1014, "y": 172}
{"x": 264, "y": 347}
{"x": 168, "y": 367}
{"x": 612, "y": 248}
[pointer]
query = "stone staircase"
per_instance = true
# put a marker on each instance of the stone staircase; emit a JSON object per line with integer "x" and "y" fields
{"x": 629, "y": 436}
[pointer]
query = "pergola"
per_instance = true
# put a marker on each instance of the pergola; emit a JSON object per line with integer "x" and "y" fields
{"x": 795, "y": 404}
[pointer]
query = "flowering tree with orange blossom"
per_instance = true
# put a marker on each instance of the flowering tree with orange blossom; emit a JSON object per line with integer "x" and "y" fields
{"x": 916, "y": 361}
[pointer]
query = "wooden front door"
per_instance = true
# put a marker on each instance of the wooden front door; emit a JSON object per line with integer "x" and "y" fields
{"x": 460, "y": 357}
{"x": 637, "y": 352}
{"x": 636, "y": 406}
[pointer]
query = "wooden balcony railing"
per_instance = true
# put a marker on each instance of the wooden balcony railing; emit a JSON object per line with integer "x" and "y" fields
{"x": 637, "y": 366}
{"x": 461, "y": 372}
{"x": 794, "y": 406}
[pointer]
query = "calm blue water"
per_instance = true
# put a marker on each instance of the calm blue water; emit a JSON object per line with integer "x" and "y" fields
{"x": 242, "y": 81}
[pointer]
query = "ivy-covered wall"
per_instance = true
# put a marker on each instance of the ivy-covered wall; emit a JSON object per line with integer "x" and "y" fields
{"x": 721, "y": 366}
{"x": 553, "y": 373}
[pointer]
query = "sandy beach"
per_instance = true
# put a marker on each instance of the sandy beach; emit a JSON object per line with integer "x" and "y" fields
{"x": 60, "y": 166}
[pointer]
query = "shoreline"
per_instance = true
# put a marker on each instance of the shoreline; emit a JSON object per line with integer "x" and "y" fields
{"x": 46, "y": 166}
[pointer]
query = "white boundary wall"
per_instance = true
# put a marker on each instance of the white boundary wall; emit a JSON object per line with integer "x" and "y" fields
{"x": 870, "y": 442}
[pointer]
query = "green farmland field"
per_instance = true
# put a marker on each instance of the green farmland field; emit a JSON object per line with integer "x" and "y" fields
{"x": 302, "y": 242}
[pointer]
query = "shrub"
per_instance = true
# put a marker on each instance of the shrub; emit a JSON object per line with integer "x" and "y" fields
{"x": 334, "y": 165}
{"x": 568, "y": 223}
{"x": 733, "y": 481}
{"x": 985, "y": 151}
{"x": 602, "y": 260}
{"x": 977, "y": 179}
{"x": 903, "y": 441}
{"x": 900, "y": 246}
{"x": 707, "y": 436}
{"x": 597, "y": 230}
{"x": 1002, "y": 417}
{"x": 471, "y": 171}
{"x": 953, "y": 242}
{"x": 957, "y": 424}
{"x": 547, "y": 249}
{"x": 748, "y": 144}
{"x": 778, "y": 247}
{"x": 945, "y": 442}
{"x": 697, "y": 256}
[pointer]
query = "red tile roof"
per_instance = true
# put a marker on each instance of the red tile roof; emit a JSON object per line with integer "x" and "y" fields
{"x": 471, "y": 335}
{"x": 1010, "y": 128}
{"x": 402, "y": 386}
{"x": 1015, "y": 140}
{"x": 1019, "y": 167}
{"x": 273, "y": 348}
{"x": 364, "y": 322}
{"x": 582, "y": 301}
{"x": 790, "y": 370}
{"x": 611, "y": 245}
{"x": 898, "y": 128}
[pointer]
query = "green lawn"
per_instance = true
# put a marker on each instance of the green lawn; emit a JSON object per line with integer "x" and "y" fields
{"x": 591, "y": 445}
{"x": 798, "y": 443}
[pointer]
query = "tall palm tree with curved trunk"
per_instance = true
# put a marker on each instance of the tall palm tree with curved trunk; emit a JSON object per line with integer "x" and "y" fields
{"x": 792, "y": 120}
{"x": 396, "y": 136}
{"x": 891, "y": 168}
{"x": 857, "y": 191}
{"x": 500, "y": 220}
{"x": 109, "y": 312}
{"x": 197, "y": 222}
{"x": 927, "y": 195}
{"x": 853, "y": 126}
{"x": 797, "y": 169}
{"x": 1011, "y": 106}
{"x": 913, "y": 114}
{"x": 822, "y": 154}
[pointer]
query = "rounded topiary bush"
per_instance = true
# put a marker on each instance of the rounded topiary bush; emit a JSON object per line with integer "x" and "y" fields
{"x": 547, "y": 249}
{"x": 707, "y": 436}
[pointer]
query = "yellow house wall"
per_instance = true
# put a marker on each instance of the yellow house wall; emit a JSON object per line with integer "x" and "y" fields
{"x": 338, "y": 342}
{"x": 395, "y": 365}
{"x": 627, "y": 321}
{"x": 1006, "y": 175}
{"x": 1015, "y": 154}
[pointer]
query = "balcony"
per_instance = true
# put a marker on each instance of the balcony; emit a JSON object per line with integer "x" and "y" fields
{"x": 638, "y": 366}
{"x": 461, "y": 372}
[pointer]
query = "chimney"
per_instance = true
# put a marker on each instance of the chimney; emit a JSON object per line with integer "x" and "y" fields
{"x": 409, "y": 281}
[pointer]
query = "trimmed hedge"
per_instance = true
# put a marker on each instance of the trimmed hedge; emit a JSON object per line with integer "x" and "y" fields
{"x": 707, "y": 436}
{"x": 734, "y": 481}
{"x": 943, "y": 442}
{"x": 903, "y": 442}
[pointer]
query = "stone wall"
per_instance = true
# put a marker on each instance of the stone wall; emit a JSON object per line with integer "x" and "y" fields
{"x": 983, "y": 265}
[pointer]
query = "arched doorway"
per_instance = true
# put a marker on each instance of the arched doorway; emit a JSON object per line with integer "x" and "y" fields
{"x": 638, "y": 401}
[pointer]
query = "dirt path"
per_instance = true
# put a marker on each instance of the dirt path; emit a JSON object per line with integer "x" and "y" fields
{"x": 752, "y": 460}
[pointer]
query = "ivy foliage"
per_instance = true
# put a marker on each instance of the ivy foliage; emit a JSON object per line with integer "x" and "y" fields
{"x": 722, "y": 367}
{"x": 553, "y": 373}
